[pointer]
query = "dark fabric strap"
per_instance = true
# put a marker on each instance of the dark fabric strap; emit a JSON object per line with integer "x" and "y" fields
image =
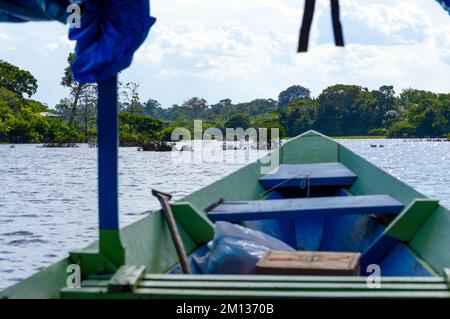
{"x": 308, "y": 14}
{"x": 307, "y": 22}
{"x": 335, "y": 15}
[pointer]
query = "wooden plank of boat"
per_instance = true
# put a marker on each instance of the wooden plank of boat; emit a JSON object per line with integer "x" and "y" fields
{"x": 277, "y": 286}
{"x": 159, "y": 280}
{"x": 319, "y": 174}
{"x": 126, "y": 278}
{"x": 288, "y": 278}
{"x": 195, "y": 286}
{"x": 298, "y": 207}
{"x": 158, "y": 293}
{"x": 242, "y": 286}
{"x": 274, "y": 285}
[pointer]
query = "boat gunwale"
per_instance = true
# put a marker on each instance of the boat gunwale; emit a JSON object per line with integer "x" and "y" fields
{"x": 17, "y": 290}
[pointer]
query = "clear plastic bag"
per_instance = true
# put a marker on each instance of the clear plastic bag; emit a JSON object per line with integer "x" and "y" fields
{"x": 236, "y": 249}
{"x": 282, "y": 229}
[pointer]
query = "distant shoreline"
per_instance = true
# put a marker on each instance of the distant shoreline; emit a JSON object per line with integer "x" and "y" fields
{"x": 436, "y": 138}
{"x": 357, "y": 137}
{"x": 372, "y": 137}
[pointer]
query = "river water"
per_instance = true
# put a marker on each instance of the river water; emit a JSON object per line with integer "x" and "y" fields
{"x": 48, "y": 197}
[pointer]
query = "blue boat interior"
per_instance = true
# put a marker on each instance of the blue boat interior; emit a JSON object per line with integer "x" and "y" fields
{"x": 310, "y": 208}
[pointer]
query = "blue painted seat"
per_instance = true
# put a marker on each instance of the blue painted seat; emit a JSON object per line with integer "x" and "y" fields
{"x": 299, "y": 207}
{"x": 320, "y": 174}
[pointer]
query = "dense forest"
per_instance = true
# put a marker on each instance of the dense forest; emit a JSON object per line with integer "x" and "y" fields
{"x": 339, "y": 110}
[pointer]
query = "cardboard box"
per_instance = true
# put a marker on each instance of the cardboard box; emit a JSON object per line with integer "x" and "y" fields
{"x": 309, "y": 263}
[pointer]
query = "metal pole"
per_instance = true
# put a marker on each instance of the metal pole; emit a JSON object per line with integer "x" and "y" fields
{"x": 108, "y": 142}
{"x": 107, "y": 126}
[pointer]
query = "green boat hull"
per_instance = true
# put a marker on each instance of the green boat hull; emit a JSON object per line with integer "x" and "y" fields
{"x": 148, "y": 242}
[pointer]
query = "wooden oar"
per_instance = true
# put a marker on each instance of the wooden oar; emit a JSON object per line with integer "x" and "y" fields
{"x": 182, "y": 256}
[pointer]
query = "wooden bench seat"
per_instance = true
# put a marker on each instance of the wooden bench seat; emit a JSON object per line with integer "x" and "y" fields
{"x": 321, "y": 174}
{"x": 298, "y": 207}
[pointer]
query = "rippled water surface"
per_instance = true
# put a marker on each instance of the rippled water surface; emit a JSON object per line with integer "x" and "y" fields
{"x": 48, "y": 198}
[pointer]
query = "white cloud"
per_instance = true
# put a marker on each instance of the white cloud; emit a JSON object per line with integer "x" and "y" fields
{"x": 413, "y": 48}
{"x": 52, "y": 46}
{"x": 246, "y": 49}
{"x": 393, "y": 20}
{"x": 61, "y": 42}
{"x": 229, "y": 51}
{"x": 283, "y": 7}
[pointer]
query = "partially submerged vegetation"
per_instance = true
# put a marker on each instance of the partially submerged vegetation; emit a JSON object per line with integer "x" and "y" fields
{"x": 340, "y": 110}
{"x": 156, "y": 146}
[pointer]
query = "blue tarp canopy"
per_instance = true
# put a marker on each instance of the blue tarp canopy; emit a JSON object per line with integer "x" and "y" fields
{"x": 111, "y": 31}
{"x": 445, "y": 4}
{"x": 34, "y": 10}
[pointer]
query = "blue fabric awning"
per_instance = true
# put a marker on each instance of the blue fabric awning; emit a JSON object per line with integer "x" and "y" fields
{"x": 445, "y": 4}
{"x": 35, "y": 10}
{"x": 111, "y": 31}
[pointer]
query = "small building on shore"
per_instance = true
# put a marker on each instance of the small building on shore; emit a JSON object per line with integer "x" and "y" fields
{"x": 51, "y": 115}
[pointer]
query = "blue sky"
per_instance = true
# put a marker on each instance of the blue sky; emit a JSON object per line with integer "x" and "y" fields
{"x": 245, "y": 49}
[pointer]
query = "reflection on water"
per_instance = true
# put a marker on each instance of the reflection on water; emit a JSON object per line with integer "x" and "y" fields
{"x": 48, "y": 199}
{"x": 421, "y": 164}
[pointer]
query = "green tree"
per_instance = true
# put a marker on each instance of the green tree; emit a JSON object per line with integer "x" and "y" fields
{"x": 300, "y": 116}
{"x": 78, "y": 90}
{"x": 153, "y": 108}
{"x": 4, "y": 131}
{"x": 292, "y": 93}
{"x": 138, "y": 128}
{"x": 402, "y": 129}
{"x": 225, "y": 102}
{"x": 195, "y": 106}
{"x": 16, "y": 80}
{"x": 239, "y": 121}
{"x": 423, "y": 114}
{"x": 88, "y": 112}
{"x": 346, "y": 110}
{"x": 256, "y": 107}
{"x": 62, "y": 133}
{"x": 269, "y": 121}
{"x": 21, "y": 121}
{"x": 63, "y": 108}
{"x": 130, "y": 95}
{"x": 386, "y": 102}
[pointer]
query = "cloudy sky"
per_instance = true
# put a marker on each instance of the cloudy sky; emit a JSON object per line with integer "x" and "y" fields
{"x": 245, "y": 49}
